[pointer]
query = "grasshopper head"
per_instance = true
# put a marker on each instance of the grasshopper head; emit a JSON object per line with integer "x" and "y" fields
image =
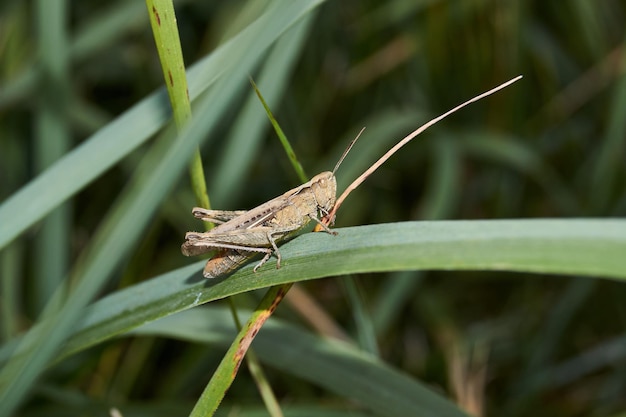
{"x": 324, "y": 187}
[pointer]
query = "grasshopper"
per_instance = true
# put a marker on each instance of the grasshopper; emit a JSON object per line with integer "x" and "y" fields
{"x": 240, "y": 234}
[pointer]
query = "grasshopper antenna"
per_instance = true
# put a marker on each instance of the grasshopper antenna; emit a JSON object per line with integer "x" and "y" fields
{"x": 345, "y": 153}
{"x": 331, "y": 215}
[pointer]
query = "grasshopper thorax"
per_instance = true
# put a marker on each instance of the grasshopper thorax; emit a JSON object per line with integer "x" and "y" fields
{"x": 324, "y": 188}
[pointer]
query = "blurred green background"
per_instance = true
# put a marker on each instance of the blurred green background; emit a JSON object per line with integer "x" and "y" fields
{"x": 552, "y": 145}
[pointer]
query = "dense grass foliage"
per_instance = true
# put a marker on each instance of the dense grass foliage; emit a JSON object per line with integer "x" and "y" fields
{"x": 486, "y": 274}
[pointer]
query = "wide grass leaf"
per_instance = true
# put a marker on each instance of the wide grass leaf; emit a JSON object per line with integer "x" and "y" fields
{"x": 582, "y": 247}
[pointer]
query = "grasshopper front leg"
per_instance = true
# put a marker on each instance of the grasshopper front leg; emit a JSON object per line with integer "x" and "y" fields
{"x": 321, "y": 225}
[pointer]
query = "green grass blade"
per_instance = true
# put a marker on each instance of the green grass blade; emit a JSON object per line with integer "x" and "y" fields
{"x": 226, "y": 371}
{"x": 52, "y": 142}
{"x": 581, "y": 247}
{"x": 165, "y": 32}
{"x": 291, "y": 155}
{"x": 11, "y": 268}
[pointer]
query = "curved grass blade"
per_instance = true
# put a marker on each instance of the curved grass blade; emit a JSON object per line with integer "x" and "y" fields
{"x": 592, "y": 248}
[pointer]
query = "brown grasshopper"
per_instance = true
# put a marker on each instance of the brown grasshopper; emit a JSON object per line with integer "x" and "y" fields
{"x": 240, "y": 234}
